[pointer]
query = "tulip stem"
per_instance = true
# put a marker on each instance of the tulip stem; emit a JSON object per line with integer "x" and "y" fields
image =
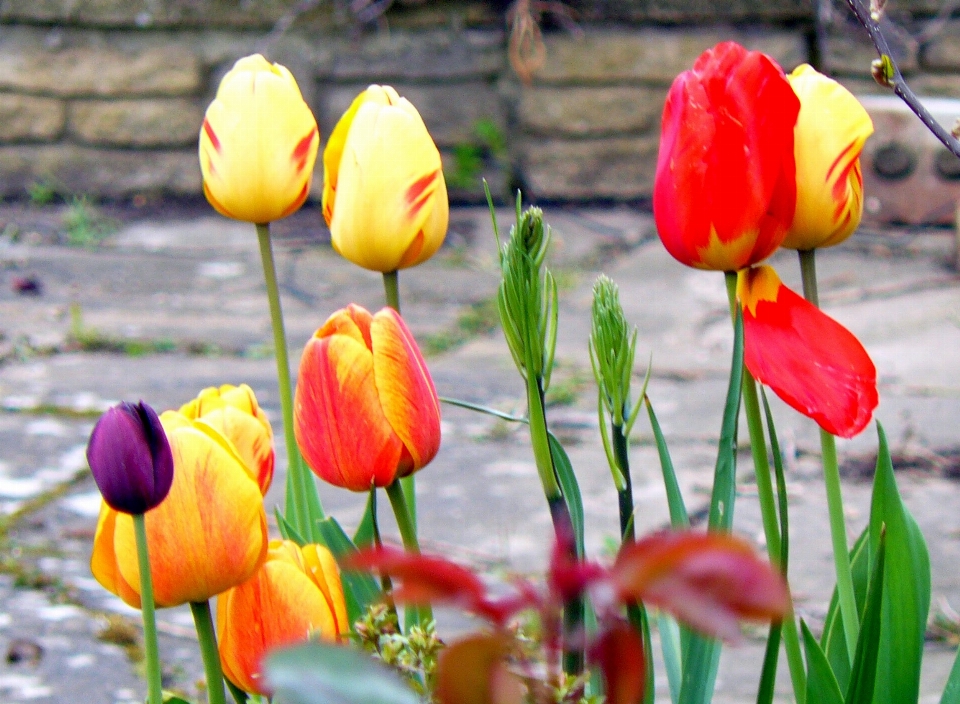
{"x": 768, "y": 503}
{"x": 298, "y": 483}
{"x": 831, "y": 480}
{"x": 150, "y": 647}
{"x": 408, "y": 532}
{"x": 391, "y": 291}
{"x": 208, "y": 649}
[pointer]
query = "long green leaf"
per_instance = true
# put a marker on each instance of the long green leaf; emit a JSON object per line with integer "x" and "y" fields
{"x": 863, "y": 675}
{"x": 951, "y": 692}
{"x": 834, "y": 641}
{"x": 359, "y": 590}
{"x": 672, "y": 654}
{"x": 906, "y": 590}
{"x": 678, "y": 510}
{"x": 702, "y": 656}
{"x": 570, "y": 488}
{"x": 365, "y": 534}
{"x": 287, "y": 531}
{"x": 768, "y": 675}
{"x": 322, "y": 673}
{"x": 822, "y": 687}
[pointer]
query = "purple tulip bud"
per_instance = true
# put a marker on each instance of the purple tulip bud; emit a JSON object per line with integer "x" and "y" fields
{"x": 130, "y": 458}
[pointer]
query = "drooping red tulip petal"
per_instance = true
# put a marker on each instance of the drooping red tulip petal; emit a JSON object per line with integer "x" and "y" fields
{"x": 474, "y": 671}
{"x": 619, "y": 653}
{"x": 810, "y": 361}
{"x": 708, "y": 580}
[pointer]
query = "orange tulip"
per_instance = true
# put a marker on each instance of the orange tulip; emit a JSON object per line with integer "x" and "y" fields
{"x": 366, "y": 411}
{"x": 233, "y": 410}
{"x": 831, "y": 130}
{"x": 258, "y": 143}
{"x": 812, "y": 362}
{"x": 294, "y": 596}
{"x": 208, "y": 535}
{"x": 384, "y": 196}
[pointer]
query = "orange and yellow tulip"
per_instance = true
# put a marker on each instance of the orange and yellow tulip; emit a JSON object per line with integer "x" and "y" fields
{"x": 207, "y": 535}
{"x": 233, "y": 410}
{"x": 366, "y": 411}
{"x": 831, "y": 130}
{"x": 384, "y": 196}
{"x": 258, "y": 143}
{"x": 295, "y": 595}
{"x": 812, "y": 362}
{"x": 724, "y": 192}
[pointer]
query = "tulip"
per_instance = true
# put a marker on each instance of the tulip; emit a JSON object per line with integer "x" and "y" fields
{"x": 258, "y": 143}
{"x": 233, "y": 410}
{"x": 384, "y": 196}
{"x": 208, "y": 534}
{"x": 830, "y": 133}
{"x": 810, "y": 361}
{"x": 294, "y": 596}
{"x": 365, "y": 411}
{"x": 724, "y": 192}
{"x": 130, "y": 458}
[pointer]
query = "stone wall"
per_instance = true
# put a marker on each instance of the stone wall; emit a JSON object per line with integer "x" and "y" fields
{"x": 105, "y": 97}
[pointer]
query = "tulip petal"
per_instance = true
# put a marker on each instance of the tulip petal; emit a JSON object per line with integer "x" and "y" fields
{"x": 708, "y": 580}
{"x": 339, "y": 423}
{"x": 809, "y": 360}
{"x": 322, "y": 567}
{"x": 406, "y": 389}
{"x": 103, "y": 561}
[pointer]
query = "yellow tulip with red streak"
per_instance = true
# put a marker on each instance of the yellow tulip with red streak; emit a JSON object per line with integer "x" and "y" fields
{"x": 234, "y": 411}
{"x": 384, "y": 195}
{"x": 258, "y": 143}
{"x": 209, "y": 534}
{"x": 831, "y": 130}
{"x": 295, "y": 595}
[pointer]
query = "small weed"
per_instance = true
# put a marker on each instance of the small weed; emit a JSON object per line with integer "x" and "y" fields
{"x": 567, "y": 389}
{"x": 474, "y": 320}
{"x": 41, "y": 192}
{"x": 469, "y": 157}
{"x": 121, "y": 631}
{"x": 84, "y": 225}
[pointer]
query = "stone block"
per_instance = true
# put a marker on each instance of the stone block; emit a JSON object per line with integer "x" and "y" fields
{"x": 150, "y": 122}
{"x": 109, "y": 173}
{"x": 589, "y": 112}
{"x": 618, "y": 168}
{"x": 651, "y": 55}
{"x": 450, "y": 112}
{"x": 421, "y": 56}
{"x": 942, "y": 53}
{"x": 699, "y": 10}
{"x": 99, "y": 71}
{"x": 849, "y": 52}
{"x": 24, "y": 118}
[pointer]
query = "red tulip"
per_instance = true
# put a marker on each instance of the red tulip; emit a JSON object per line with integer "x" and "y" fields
{"x": 366, "y": 411}
{"x": 812, "y": 362}
{"x": 725, "y": 188}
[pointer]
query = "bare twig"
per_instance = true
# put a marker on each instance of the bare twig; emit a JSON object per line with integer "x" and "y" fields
{"x": 886, "y": 72}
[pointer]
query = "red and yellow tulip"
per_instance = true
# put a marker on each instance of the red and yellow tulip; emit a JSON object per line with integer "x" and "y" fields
{"x": 233, "y": 410}
{"x": 258, "y": 143}
{"x": 207, "y": 535}
{"x": 725, "y": 191}
{"x": 830, "y": 133}
{"x": 366, "y": 411}
{"x": 384, "y": 196}
{"x": 295, "y": 595}
{"x": 812, "y": 362}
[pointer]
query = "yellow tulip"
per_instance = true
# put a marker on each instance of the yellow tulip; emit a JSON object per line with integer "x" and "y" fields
{"x": 830, "y": 133}
{"x": 384, "y": 196}
{"x": 294, "y": 596}
{"x": 209, "y": 534}
{"x": 258, "y": 143}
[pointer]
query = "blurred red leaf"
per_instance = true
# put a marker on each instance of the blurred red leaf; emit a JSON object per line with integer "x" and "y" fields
{"x": 619, "y": 653}
{"x": 708, "y": 580}
{"x": 474, "y": 671}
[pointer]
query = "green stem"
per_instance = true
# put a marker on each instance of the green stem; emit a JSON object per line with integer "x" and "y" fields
{"x": 831, "y": 480}
{"x": 150, "y": 646}
{"x": 298, "y": 483}
{"x": 768, "y": 503}
{"x": 408, "y": 532}
{"x": 391, "y": 291}
{"x": 540, "y": 441}
{"x": 208, "y": 649}
{"x": 624, "y": 496}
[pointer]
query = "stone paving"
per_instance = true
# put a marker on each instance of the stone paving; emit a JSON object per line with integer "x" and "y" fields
{"x": 179, "y": 300}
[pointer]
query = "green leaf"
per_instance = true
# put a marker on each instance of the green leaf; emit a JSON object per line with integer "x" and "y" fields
{"x": 834, "y": 641}
{"x": 287, "y": 531}
{"x": 170, "y": 698}
{"x": 768, "y": 675}
{"x": 863, "y": 676}
{"x": 822, "y": 687}
{"x": 359, "y": 590}
{"x": 670, "y": 644}
{"x": 322, "y": 673}
{"x": 906, "y": 589}
{"x": 570, "y": 489}
{"x": 951, "y": 692}
{"x": 650, "y": 685}
{"x": 365, "y": 534}
{"x": 678, "y": 510}
{"x": 239, "y": 696}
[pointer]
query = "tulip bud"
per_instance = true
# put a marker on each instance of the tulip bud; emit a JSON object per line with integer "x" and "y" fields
{"x": 258, "y": 143}
{"x": 130, "y": 458}
{"x": 384, "y": 196}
